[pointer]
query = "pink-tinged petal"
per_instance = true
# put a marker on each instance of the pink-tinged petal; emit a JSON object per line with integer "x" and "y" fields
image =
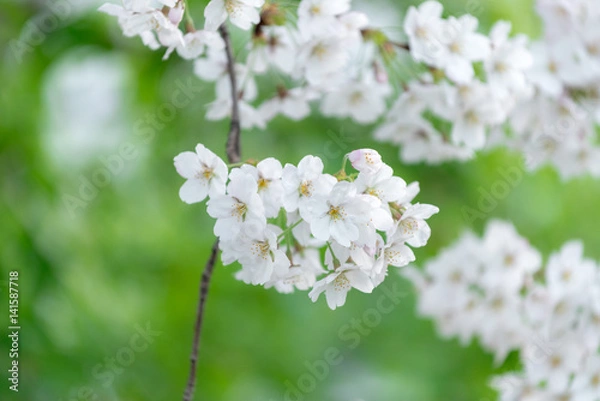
{"x": 365, "y": 160}
{"x": 187, "y": 164}
{"x": 193, "y": 191}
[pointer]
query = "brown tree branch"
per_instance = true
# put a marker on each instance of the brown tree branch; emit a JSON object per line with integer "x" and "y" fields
{"x": 204, "y": 286}
{"x": 233, "y": 141}
{"x": 234, "y": 156}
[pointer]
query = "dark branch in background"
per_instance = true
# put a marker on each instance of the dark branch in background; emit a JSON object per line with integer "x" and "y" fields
{"x": 233, "y": 141}
{"x": 234, "y": 156}
{"x": 204, "y": 285}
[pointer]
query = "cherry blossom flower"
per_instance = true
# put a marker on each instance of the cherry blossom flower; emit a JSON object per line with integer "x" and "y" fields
{"x": 268, "y": 175}
{"x": 424, "y": 27}
{"x": 318, "y": 17}
{"x": 463, "y": 47}
{"x": 240, "y": 209}
{"x": 205, "y": 172}
{"x": 260, "y": 257}
{"x": 304, "y": 182}
{"x": 364, "y": 101}
{"x": 366, "y": 160}
{"x": 337, "y": 284}
{"x": 194, "y": 44}
{"x": 138, "y": 18}
{"x": 292, "y": 103}
{"x": 276, "y": 46}
{"x": 339, "y": 215}
{"x": 242, "y": 13}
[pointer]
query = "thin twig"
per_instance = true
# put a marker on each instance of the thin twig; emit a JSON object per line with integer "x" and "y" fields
{"x": 234, "y": 156}
{"x": 233, "y": 141}
{"x": 204, "y": 286}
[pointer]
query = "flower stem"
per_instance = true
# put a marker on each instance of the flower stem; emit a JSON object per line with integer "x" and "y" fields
{"x": 344, "y": 163}
{"x": 288, "y": 230}
{"x": 336, "y": 261}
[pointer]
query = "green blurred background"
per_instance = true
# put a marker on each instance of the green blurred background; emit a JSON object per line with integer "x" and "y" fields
{"x": 131, "y": 254}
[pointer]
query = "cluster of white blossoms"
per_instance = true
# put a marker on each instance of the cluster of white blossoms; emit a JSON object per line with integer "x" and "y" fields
{"x": 494, "y": 288}
{"x": 157, "y": 23}
{"x": 318, "y": 54}
{"x": 541, "y": 99}
{"x": 558, "y": 124}
{"x": 321, "y": 54}
{"x": 471, "y": 86}
{"x": 276, "y": 220}
{"x": 467, "y": 91}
